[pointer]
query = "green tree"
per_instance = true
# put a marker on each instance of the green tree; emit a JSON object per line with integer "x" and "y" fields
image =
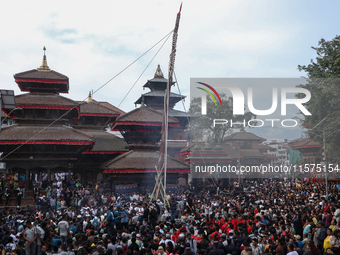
{"x": 202, "y": 127}
{"x": 323, "y": 82}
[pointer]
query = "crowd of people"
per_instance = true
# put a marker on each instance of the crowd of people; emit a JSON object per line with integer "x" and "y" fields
{"x": 275, "y": 217}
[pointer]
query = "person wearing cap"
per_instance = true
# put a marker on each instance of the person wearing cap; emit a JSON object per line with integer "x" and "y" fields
{"x": 30, "y": 235}
{"x": 298, "y": 240}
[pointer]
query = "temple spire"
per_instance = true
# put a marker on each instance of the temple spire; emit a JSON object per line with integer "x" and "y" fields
{"x": 159, "y": 73}
{"x": 89, "y": 98}
{"x": 44, "y": 66}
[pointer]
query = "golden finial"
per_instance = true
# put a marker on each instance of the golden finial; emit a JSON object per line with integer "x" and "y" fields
{"x": 159, "y": 73}
{"x": 89, "y": 98}
{"x": 44, "y": 66}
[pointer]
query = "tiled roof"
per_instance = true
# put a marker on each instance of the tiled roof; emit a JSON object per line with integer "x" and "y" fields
{"x": 95, "y": 108}
{"x": 144, "y": 114}
{"x": 36, "y": 74}
{"x": 176, "y": 113}
{"x": 226, "y": 148}
{"x": 106, "y": 142}
{"x": 158, "y": 93}
{"x": 244, "y": 136}
{"x": 141, "y": 160}
{"x": 110, "y": 106}
{"x": 305, "y": 143}
{"x": 53, "y": 134}
{"x": 43, "y": 99}
{"x": 177, "y": 144}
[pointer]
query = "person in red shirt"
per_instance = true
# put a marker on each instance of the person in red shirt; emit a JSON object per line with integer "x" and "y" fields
{"x": 234, "y": 221}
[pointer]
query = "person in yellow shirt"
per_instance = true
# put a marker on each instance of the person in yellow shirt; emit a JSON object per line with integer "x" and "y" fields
{"x": 326, "y": 242}
{"x": 333, "y": 225}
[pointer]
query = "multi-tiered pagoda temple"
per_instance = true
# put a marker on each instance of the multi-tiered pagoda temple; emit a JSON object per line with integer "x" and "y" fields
{"x": 141, "y": 129}
{"x": 55, "y": 133}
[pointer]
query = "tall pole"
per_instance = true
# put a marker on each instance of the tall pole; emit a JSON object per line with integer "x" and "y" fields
{"x": 325, "y": 160}
{"x": 162, "y": 160}
{"x": 0, "y": 111}
{"x": 239, "y": 166}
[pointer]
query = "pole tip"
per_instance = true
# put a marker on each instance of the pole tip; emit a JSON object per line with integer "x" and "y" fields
{"x": 180, "y": 8}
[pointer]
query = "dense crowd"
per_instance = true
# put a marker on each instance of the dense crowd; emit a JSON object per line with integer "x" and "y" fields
{"x": 268, "y": 217}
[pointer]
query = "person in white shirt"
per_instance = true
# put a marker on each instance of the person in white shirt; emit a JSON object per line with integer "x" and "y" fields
{"x": 15, "y": 239}
{"x": 59, "y": 183}
{"x": 64, "y": 229}
{"x": 291, "y": 250}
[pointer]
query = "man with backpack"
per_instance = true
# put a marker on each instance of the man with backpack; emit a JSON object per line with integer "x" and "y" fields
{"x": 96, "y": 221}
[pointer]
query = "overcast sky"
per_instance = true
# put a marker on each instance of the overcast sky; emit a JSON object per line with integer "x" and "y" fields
{"x": 90, "y": 42}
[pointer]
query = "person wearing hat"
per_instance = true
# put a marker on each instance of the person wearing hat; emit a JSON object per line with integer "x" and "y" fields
{"x": 298, "y": 240}
{"x": 30, "y": 235}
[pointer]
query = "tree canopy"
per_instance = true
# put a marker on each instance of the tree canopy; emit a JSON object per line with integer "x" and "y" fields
{"x": 202, "y": 127}
{"x": 323, "y": 82}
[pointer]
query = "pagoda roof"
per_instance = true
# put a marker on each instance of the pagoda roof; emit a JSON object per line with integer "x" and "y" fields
{"x": 42, "y": 80}
{"x": 243, "y": 136}
{"x": 96, "y": 109}
{"x": 214, "y": 149}
{"x": 158, "y": 82}
{"x": 44, "y": 101}
{"x": 143, "y": 116}
{"x": 177, "y": 144}
{"x": 43, "y": 75}
{"x": 105, "y": 143}
{"x": 159, "y": 93}
{"x": 158, "y": 79}
{"x": 305, "y": 143}
{"x": 110, "y": 106}
{"x": 19, "y": 134}
{"x": 175, "y": 113}
{"x": 142, "y": 161}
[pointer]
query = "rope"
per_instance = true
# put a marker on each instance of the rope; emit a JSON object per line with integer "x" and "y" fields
{"x": 86, "y": 97}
